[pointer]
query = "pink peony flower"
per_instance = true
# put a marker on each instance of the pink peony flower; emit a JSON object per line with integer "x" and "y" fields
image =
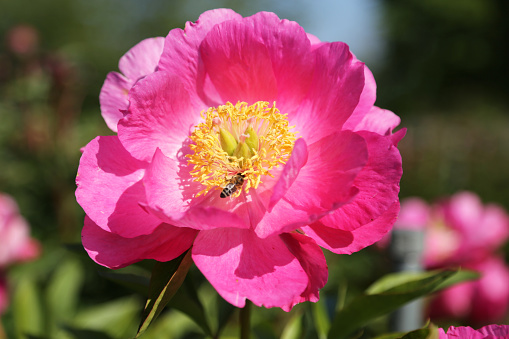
{"x": 15, "y": 242}
{"x": 465, "y": 332}
{"x": 249, "y": 140}
{"x": 482, "y": 229}
{"x": 478, "y": 302}
{"x": 458, "y": 230}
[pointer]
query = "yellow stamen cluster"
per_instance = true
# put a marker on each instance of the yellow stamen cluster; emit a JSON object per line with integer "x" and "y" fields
{"x": 261, "y": 141}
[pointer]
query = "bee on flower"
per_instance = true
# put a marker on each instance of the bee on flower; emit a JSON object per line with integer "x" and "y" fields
{"x": 251, "y": 108}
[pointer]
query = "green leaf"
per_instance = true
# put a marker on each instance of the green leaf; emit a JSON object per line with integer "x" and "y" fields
{"x": 391, "y": 281}
{"x": 62, "y": 293}
{"x": 166, "y": 280}
{"x": 293, "y": 328}
{"x": 224, "y": 313}
{"x": 392, "y": 335}
{"x": 389, "y": 297}
{"x": 116, "y": 318}
{"x": 27, "y": 309}
{"x": 429, "y": 332}
{"x": 320, "y": 317}
{"x": 459, "y": 277}
{"x": 86, "y": 334}
{"x": 187, "y": 301}
{"x": 135, "y": 282}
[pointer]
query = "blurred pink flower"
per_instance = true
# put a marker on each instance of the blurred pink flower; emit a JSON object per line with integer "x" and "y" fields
{"x": 482, "y": 229}
{"x": 478, "y": 302}
{"x": 22, "y": 40}
{"x": 460, "y": 231}
{"x": 15, "y": 242}
{"x": 465, "y": 332}
{"x": 287, "y": 131}
{"x": 4, "y": 299}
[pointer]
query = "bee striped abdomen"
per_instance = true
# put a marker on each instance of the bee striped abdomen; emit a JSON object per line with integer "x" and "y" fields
{"x": 233, "y": 185}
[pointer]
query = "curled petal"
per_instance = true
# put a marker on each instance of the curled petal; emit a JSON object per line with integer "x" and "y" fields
{"x": 139, "y": 61}
{"x": 312, "y": 261}
{"x": 322, "y": 185}
{"x": 142, "y": 59}
{"x": 347, "y": 242}
{"x": 326, "y": 181}
{"x": 115, "y": 207}
{"x": 165, "y": 243}
{"x": 366, "y": 101}
{"x": 290, "y": 172}
{"x": 113, "y": 98}
{"x": 242, "y": 266}
{"x": 378, "y": 184}
{"x": 377, "y": 120}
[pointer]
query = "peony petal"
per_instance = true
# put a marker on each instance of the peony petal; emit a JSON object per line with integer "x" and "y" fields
{"x": 292, "y": 61}
{"x": 334, "y": 94}
{"x": 136, "y": 63}
{"x": 323, "y": 184}
{"x": 462, "y": 332}
{"x": 499, "y": 331}
{"x": 328, "y": 176}
{"x": 161, "y": 115}
{"x": 313, "y": 39}
{"x": 348, "y": 242}
{"x": 169, "y": 198}
{"x": 284, "y": 217}
{"x": 378, "y": 183}
{"x": 182, "y": 47}
{"x": 242, "y": 266}
{"x": 377, "y": 120}
{"x": 366, "y": 101}
{"x": 312, "y": 261}
{"x": 142, "y": 59}
{"x": 397, "y": 136}
{"x": 113, "y": 98}
{"x": 110, "y": 188}
{"x": 290, "y": 172}
{"x": 165, "y": 243}
{"x": 238, "y": 64}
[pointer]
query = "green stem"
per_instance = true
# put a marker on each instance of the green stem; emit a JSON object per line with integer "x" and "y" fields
{"x": 2, "y": 333}
{"x": 245, "y": 320}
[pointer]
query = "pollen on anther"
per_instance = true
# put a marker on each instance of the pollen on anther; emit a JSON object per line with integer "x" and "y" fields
{"x": 213, "y": 167}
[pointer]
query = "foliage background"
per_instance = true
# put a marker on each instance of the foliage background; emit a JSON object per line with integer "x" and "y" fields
{"x": 440, "y": 65}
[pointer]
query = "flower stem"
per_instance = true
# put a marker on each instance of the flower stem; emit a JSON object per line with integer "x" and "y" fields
{"x": 245, "y": 320}
{"x": 2, "y": 333}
